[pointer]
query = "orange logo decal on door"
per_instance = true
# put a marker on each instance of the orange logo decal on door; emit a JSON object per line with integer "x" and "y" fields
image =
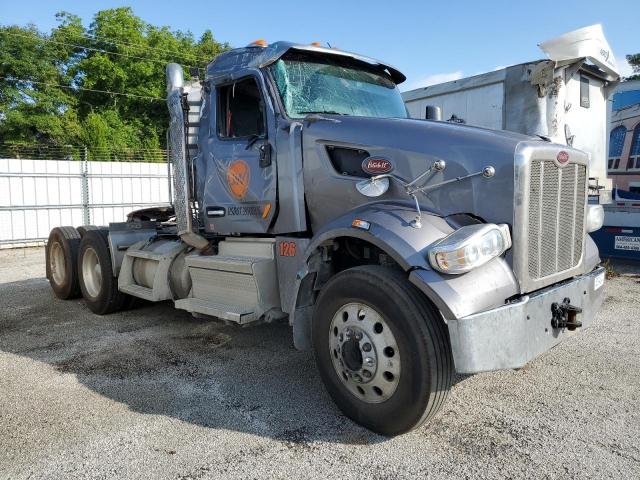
{"x": 238, "y": 175}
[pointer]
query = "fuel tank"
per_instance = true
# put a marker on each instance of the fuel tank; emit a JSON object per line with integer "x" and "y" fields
{"x": 336, "y": 147}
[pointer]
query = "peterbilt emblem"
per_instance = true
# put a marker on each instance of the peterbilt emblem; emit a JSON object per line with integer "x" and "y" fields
{"x": 563, "y": 157}
{"x": 376, "y": 165}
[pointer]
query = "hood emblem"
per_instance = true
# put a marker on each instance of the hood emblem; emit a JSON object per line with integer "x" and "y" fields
{"x": 563, "y": 157}
{"x": 376, "y": 165}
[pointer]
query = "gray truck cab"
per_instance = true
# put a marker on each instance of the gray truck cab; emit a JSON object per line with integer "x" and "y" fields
{"x": 399, "y": 250}
{"x": 255, "y": 101}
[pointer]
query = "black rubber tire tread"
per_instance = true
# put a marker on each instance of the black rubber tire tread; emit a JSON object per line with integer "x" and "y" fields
{"x": 85, "y": 228}
{"x": 420, "y": 393}
{"x": 110, "y": 299}
{"x": 69, "y": 238}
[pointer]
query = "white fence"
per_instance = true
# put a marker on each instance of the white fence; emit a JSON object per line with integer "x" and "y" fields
{"x": 37, "y": 195}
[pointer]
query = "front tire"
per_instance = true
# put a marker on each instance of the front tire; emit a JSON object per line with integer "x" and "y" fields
{"x": 382, "y": 349}
{"x": 98, "y": 285}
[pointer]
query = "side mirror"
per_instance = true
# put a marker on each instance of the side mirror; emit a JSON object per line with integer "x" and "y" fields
{"x": 373, "y": 187}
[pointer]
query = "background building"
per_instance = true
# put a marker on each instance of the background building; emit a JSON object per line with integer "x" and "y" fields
{"x": 624, "y": 138}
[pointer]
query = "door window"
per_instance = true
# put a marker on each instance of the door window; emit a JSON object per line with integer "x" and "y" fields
{"x": 241, "y": 110}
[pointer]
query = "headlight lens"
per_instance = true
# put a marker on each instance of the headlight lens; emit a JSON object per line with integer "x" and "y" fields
{"x": 595, "y": 217}
{"x": 469, "y": 247}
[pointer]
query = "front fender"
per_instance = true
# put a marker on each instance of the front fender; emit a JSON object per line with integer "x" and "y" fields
{"x": 391, "y": 231}
{"x": 480, "y": 289}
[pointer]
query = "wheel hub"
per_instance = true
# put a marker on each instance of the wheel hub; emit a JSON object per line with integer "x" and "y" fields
{"x": 91, "y": 272}
{"x": 364, "y": 352}
{"x": 352, "y": 355}
{"x": 57, "y": 263}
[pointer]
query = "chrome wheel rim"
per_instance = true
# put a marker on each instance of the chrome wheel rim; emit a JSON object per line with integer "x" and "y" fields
{"x": 57, "y": 263}
{"x": 364, "y": 352}
{"x": 91, "y": 272}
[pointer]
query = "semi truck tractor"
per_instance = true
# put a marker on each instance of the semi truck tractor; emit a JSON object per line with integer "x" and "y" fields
{"x": 399, "y": 250}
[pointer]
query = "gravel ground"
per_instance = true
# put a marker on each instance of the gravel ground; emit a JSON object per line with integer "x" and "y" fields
{"x": 155, "y": 393}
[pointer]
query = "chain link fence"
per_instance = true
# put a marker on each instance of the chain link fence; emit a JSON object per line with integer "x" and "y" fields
{"x": 39, "y": 191}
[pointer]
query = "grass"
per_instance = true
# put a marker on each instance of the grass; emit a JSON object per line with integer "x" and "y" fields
{"x": 611, "y": 272}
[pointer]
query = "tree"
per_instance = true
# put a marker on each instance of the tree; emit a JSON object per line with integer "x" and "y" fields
{"x": 634, "y": 61}
{"x": 33, "y": 108}
{"x": 101, "y": 86}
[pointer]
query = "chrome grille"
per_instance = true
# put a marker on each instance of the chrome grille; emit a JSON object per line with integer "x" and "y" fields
{"x": 557, "y": 199}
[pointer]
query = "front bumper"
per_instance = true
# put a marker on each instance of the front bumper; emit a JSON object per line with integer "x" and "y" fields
{"x": 514, "y": 334}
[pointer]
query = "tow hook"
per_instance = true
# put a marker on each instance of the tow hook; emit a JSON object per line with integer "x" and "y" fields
{"x": 565, "y": 315}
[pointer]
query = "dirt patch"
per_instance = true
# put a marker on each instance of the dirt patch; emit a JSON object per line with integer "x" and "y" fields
{"x": 120, "y": 360}
{"x": 140, "y": 357}
{"x": 202, "y": 342}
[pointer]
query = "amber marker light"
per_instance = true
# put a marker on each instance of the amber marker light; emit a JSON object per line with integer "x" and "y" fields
{"x": 266, "y": 210}
{"x": 361, "y": 224}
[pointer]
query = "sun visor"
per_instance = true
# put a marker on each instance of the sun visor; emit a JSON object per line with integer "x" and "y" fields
{"x": 274, "y": 52}
{"x": 588, "y": 42}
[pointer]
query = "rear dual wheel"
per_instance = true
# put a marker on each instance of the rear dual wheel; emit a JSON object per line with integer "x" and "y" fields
{"x": 382, "y": 349}
{"x": 62, "y": 262}
{"x": 95, "y": 274}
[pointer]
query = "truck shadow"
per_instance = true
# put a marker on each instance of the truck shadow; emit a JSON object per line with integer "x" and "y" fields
{"x": 162, "y": 361}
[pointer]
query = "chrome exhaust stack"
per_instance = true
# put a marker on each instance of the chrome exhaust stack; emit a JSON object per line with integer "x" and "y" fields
{"x": 182, "y": 195}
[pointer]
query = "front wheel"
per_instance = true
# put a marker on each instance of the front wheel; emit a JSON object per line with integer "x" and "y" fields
{"x": 382, "y": 349}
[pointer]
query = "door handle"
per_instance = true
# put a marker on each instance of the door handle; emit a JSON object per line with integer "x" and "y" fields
{"x": 265, "y": 154}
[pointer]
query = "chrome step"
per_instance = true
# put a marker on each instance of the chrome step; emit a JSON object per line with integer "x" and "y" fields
{"x": 234, "y": 313}
{"x": 227, "y": 263}
{"x": 239, "y": 284}
{"x": 138, "y": 291}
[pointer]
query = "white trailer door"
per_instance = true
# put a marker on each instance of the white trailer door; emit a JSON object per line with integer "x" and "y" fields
{"x": 585, "y": 118}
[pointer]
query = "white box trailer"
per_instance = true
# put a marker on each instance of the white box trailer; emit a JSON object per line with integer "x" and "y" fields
{"x": 563, "y": 98}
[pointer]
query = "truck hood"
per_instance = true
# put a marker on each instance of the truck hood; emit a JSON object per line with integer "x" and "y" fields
{"x": 411, "y": 146}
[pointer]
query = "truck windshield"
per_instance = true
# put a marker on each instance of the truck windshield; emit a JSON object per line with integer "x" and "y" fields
{"x": 312, "y": 83}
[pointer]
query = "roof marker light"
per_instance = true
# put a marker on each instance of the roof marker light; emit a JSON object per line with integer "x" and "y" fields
{"x": 261, "y": 42}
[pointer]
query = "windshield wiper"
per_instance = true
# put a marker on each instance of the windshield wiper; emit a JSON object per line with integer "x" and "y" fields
{"x": 328, "y": 112}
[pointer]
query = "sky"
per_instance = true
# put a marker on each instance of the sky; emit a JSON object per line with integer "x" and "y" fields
{"x": 430, "y": 42}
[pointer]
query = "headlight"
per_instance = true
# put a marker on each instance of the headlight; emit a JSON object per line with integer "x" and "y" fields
{"x": 469, "y": 247}
{"x": 595, "y": 217}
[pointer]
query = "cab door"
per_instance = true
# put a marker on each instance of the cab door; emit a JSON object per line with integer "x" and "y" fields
{"x": 239, "y": 191}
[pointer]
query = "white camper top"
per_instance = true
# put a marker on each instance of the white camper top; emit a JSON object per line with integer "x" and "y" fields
{"x": 585, "y": 43}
